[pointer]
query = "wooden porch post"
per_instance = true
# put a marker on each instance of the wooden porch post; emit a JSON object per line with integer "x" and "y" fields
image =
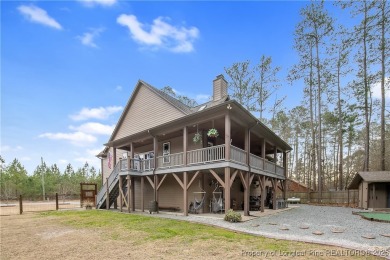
{"x": 132, "y": 193}
{"x": 246, "y": 194}
{"x": 263, "y": 194}
{"x": 120, "y": 193}
{"x": 155, "y": 188}
{"x": 285, "y": 164}
{"x": 185, "y": 141}
{"x": 128, "y": 192}
{"x": 227, "y": 136}
{"x": 263, "y": 152}
{"x": 142, "y": 193}
{"x": 227, "y": 189}
{"x": 185, "y": 193}
{"x": 275, "y": 156}
{"x": 274, "y": 188}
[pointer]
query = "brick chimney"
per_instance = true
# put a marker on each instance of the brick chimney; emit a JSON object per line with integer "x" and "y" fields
{"x": 219, "y": 88}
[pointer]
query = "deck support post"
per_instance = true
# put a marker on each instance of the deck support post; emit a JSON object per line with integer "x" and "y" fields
{"x": 227, "y": 189}
{"x": 262, "y": 192}
{"x": 132, "y": 193}
{"x": 120, "y": 193}
{"x": 142, "y": 193}
{"x": 185, "y": 193}
{"x": 274, "y": 187}
{"x": 128, "y": 192}
{"x": 227, "y": 136}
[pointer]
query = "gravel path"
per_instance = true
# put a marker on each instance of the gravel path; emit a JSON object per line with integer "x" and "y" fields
{"x": 314, "y": 218}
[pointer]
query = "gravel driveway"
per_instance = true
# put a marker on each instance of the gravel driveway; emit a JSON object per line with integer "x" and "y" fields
{"x": 289, "y": 225}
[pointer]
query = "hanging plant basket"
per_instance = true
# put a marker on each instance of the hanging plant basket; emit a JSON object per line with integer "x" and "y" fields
{"x": 197, "y": 138}
{"x": 212, "y": 133}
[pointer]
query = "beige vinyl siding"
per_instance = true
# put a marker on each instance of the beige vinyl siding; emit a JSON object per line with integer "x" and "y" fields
{"x": 170, "y": 193}
{"x": 106, "y": 170}
{"x": 146, "y": 111}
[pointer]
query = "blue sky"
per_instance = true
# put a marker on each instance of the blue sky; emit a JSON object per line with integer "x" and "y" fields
{"x": 69, "y": 67}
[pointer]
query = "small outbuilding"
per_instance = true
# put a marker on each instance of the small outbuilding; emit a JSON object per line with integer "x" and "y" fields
{"x": 374, "y": 189}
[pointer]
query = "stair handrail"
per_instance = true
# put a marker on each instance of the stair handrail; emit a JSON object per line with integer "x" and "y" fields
{"x": 113, "y": 176}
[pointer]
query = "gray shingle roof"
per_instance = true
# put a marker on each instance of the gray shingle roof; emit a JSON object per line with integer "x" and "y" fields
{"x": 379, "y": 176}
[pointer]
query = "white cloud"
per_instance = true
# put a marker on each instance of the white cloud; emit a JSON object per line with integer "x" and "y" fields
{"x": 88, "y": 38}
{"x": 94, "y": 128}
{"x": 7, "y": 148}
{"x": 376, "y": 89}
{"x": 118, "y": 88}
{"x": 38, "y": 15}
{"x": 76, "y": 138}
{"x": 160, "y": 34}
{"x": 62, "y": 161}
{"x": 96, "y": 113}
{"x": 25, "y": 158}
{"x": 91, "y": 3}
{"x": 202, "y": 98}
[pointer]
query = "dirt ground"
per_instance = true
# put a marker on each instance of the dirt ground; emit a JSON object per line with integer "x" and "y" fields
{"x": 32, "y": 236}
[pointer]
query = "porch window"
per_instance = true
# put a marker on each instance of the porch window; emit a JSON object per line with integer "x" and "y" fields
{"x": 166, "y": 152}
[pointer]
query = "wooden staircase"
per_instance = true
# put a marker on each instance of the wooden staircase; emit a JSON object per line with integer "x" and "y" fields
{"x": 113, "y": 189}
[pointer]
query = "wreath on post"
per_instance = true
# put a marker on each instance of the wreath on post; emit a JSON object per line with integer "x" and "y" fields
{"x": 197, "y": 138}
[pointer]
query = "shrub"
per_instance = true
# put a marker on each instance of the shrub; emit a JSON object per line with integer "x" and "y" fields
{"x": 232, "y": 216}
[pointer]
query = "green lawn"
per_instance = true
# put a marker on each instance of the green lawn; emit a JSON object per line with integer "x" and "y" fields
{"x": 142, "y": 231}
{"x": 376, "y": 215}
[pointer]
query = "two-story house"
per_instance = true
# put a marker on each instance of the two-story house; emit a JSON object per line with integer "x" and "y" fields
{"x": 162, "y": 150}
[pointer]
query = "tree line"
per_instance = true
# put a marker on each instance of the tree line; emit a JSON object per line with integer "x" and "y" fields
{"x": 45, "y": 181}
{"x": 339, "y": 128}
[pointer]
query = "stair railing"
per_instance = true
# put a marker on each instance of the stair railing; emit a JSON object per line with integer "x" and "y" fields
{"x": 111, "y": 183}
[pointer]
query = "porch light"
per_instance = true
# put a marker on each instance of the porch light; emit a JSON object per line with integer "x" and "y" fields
{"x": 229, "y": 107}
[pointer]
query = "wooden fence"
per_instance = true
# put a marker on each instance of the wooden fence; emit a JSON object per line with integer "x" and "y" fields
{"x": 347, "y": 197}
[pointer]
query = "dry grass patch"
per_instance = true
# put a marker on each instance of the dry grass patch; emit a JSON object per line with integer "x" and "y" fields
{"x": 96, "y": 234}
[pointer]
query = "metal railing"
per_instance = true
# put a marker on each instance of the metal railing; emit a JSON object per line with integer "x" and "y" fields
{"x": 237, "y": 155}
{"x": 256, "y": 161}
{"x": 209, "y": 154}
{"x": 171, "y": 160}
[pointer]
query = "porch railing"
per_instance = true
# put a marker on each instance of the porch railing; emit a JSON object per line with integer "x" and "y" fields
{"x": 172, "y": 160}
{"x": 269, "y": 166}
{"x": 279, "y": 170}
{"x": 136, "y": 165}
{"x": 237, "y": 155}
{"x": 209, "y": 154}
{"x": 256, "y": 161}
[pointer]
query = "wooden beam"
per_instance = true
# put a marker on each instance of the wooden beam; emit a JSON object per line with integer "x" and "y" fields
{"x": 150, "y": 181}
{"x": 162, "y": 180}
{"x": 227, "y": 136}
{"x": 155, "y": 150}
{"x": 185, "y": 193}
{"x": 178, "y": 180}
{"x": 185, "y": 137}
{"x": 227, "y": 189}
{"x": 132, "y": 193}
{"x": 142, "y": 193}
{"x": 128, "y": 192}
{"x": 192, "y": 179}
{"x": 233, "y": 177}
{"x": 252, "y": 175}
{"x": 263, "y": 151}
{"x": 218, "y": 178}
{"x": 246, "y": 193}
{"x": 274, "y": 187}
{"x": 263, "y": 195}
{"x": 120, "y": 193}
{"x": 242, "y": 178}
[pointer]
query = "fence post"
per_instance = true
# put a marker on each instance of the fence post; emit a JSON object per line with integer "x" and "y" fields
{"x": 57, "y": 201}
{"x": 20, "y": 205}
